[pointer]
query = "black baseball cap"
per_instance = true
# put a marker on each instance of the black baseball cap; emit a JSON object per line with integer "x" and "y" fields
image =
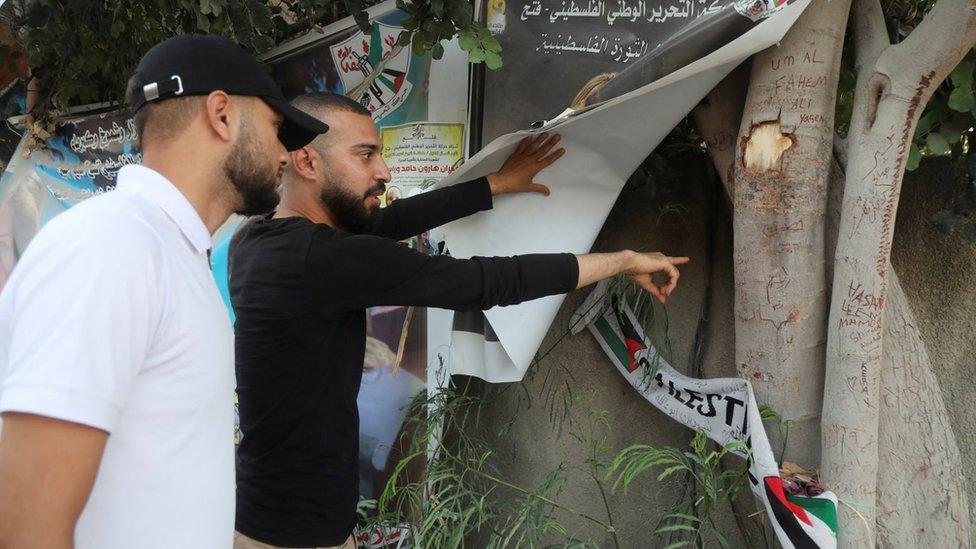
{"x": 197, "y": 64}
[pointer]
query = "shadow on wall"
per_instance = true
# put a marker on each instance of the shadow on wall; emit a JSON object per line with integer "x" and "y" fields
{"x": 938, "y": 273}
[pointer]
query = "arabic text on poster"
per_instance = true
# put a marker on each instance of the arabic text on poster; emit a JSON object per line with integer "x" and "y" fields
{"x": 421, "y": 154}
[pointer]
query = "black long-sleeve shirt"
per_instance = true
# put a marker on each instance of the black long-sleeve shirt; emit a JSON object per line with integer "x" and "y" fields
{"x": 299, "y": 290}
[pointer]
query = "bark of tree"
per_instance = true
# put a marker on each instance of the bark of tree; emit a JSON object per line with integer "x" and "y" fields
{"x": 894, "y": 83}
{"x": 783, "y": 157}
{"x": 718, "y": 117}
{"x": 922, "y": 499}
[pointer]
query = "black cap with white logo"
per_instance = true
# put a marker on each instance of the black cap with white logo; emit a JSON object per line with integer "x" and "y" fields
{"x": 197, "y": 64}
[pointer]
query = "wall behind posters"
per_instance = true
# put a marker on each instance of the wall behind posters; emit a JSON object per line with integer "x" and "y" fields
{"x": 553, "y": 47}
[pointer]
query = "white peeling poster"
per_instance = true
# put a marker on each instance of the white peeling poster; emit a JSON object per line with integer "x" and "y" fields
{"x": 604, "y": 144}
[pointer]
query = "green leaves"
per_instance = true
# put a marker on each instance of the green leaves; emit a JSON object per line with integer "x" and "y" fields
{"x": 936, "y": 143}
{"x": 437, "y": 7}
{"x": 946, "y": 125}
{"x": 458, "y": 493}
{"x": 962, "y": 75}
{"x": 493, "y": 61}
{"x": 481, "y": 46}
{"x": 768, "y": 413}
{"x": 419, "y": 44}
{"x": 961, "y": 99}
{"x": 434, "y": 21}
{"x": 703, "y": 466}
{"x": 947, "y": 121}
{"x": 468, "y": 40}
{"x": 74, "y": 65}
{"x": 955, "y": 127}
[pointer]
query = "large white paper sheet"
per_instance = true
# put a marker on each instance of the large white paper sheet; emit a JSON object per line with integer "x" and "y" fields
{"x": 604, "y": 145}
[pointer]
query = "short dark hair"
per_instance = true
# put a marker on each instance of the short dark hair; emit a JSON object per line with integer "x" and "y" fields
{"x": 324, "y": 102}
{"x": 164, "y": 119}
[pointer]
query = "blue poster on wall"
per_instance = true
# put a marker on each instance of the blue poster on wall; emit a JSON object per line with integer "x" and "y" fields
{"x": 80, "y": 160}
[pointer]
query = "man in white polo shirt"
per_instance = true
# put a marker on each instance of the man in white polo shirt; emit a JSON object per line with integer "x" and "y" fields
{"x": 116, "y": 356}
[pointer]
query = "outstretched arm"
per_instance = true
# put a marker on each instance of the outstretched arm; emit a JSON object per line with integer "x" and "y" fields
{"x": 411, "y": 216}
{"x": 362, "y": 271}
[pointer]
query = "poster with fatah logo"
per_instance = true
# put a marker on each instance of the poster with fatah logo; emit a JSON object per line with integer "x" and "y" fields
{"x": 341, "y": 62}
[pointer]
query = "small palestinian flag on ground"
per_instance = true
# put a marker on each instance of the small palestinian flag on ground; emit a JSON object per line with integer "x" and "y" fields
{"x": 806, "y": 522}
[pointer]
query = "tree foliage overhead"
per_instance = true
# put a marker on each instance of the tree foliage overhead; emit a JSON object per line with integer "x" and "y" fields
{"x": 82, "y": 52}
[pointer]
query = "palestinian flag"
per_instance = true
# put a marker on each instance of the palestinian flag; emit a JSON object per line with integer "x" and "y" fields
{"x": 723, "y": 408}
{"x": 632, "y": 339}
{"x": 807, "y": 522}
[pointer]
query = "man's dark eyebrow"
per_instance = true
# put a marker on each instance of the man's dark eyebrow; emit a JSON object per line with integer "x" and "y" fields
{"x": 368, "y": 146}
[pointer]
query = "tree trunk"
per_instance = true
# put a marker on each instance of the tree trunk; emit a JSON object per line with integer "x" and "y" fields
{"x": 780, "y": 194}
{"x": 894, "y": 83}
{"x": 718, "y": 117}
{"x": 921, "y": 491}
{"x": 922, "y": 499}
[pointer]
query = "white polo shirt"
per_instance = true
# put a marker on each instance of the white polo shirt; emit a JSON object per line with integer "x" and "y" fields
{"x": 112, "y": 319}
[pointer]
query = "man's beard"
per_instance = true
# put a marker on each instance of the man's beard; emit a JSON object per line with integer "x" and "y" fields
{"x": 255, "y": 182}
{"x": 349, "y": 210}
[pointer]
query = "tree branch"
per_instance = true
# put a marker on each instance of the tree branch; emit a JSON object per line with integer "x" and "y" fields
{"x": 718, "y": 117}
{"x": 871, "y": 41}
{"x": 890, "y": 96}
{"x": 931, "y": 510}
{"x": 840, "y": 151}
{"x": 870, "y": 33}
{"x": 936, "y": 45}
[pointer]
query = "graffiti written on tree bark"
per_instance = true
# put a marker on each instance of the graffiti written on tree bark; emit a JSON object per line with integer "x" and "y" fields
{"x": 792, "y": 85}
{"x": 908, "y": 129}
{"x": 862, "y": 309}
{"x": 808, "y": 58}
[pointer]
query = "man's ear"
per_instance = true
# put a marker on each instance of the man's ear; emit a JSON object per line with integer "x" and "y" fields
{"x": 302, "y": 161}
{"x": 220, "y": 112}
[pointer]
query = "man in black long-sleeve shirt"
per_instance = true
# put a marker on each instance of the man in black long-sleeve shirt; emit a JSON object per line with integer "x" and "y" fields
{"x": 300, "y": 282}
